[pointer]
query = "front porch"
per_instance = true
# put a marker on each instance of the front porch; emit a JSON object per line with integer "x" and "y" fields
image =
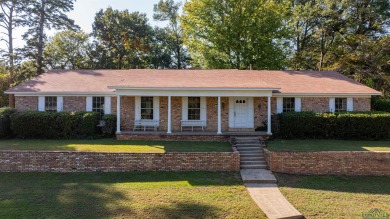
{"x": 188, "y": 136}
{"x": 202, "y": 114}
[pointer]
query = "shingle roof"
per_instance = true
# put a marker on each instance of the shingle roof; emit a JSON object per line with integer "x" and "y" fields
{"x": 97, "y": 81}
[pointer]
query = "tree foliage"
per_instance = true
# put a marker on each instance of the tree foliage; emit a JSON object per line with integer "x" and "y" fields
{"x": 236, "y": 33}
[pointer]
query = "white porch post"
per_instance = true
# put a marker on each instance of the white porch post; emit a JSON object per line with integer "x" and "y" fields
{"x": 269, "y": 116}
{"x": 219, "y": 116}
{"x": 118, "y": 114}
{"x": 169, "y": 131}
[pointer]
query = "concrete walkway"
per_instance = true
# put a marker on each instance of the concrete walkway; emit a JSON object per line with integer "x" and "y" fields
{"x": 262, "y": 187}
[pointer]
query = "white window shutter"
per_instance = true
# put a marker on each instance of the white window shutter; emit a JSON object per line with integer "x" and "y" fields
{"x": 332, "y": 104}
{"x": 137, "y": 111}
{"x": 349, "y": 104}
{"x": 41, "y": 103}
{"x": 203, "y": 106}
{"x": 60, "y": 104}
{"x": 298, "y": 104}
{"x": 279, "y": 105}
{"x": 107, "y": 105}
{"x": 88, "y": 107}
{"x": 184, "y": 108}
{"x": 156, "y": 108}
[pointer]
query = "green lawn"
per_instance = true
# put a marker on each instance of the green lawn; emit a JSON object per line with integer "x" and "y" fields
{"x": 327, "y": 145}
{"x": 335, "y": 196}
{"x": 125, "y": 195}
{"x": 112, "y": 145}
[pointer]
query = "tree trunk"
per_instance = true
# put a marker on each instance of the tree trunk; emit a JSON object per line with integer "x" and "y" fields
{"x": 40, "y": 38}
{"x": 178, "y": 55}
{"x": 11, "y": 100}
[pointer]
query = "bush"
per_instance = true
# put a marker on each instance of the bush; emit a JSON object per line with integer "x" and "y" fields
{"x": 356, "y": 125}
{"x": 33, "y": 124}
{"x": 5, "y": 122}
{"x": 109, "y": 126}
{"x": 380, "y": 104}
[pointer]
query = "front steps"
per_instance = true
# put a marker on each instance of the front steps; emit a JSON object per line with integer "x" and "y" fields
{"x": 251, "y": 153}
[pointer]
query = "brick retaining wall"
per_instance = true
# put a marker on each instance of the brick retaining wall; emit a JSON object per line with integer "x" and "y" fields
{"x": 351, "y": 163}
{"x": 44, "y": 161}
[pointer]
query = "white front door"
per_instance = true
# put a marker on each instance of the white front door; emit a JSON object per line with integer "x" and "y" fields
{"x": 241, "y": 112}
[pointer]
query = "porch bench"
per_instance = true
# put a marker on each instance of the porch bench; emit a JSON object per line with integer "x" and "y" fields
{"x": 146, "y": 123}
{"x": 192, "y": 124}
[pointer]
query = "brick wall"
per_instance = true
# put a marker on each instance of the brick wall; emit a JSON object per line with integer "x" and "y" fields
{"x": 26, "y": 103}
{"x": 212, "y": 114}
{"x": 317, "y": 104}
{"x": 362, "y": 104}
{"x": 330, "y": 163}
{"x": 74, "y": 103}
{"x": 39, "y": 161}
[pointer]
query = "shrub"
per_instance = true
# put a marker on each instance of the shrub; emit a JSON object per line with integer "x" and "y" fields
{"x": 5, "y": 122}
{"x": 355, "y": 125}
{"x": 380, "y": 104}
{"x": 32, "y": 124}
{"x": 109, "y": 126}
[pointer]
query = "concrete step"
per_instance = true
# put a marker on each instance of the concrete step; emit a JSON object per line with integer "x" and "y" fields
{"x": 253, "y": 166}
{"x": 247, "y": 141}
{"x": 249, "y": 149}
{"x": 260, "y": 159}
{"x": 248, "y": 145}
{"x": 253, "y": 162}
{"x": 257, "y": 176}
{"x": 245, "y": 137}
{"x": 250, "y": 153}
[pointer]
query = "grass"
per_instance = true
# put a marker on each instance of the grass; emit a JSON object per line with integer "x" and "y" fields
{"x": 335, "y": 196}
{"x": 112, "y": 145}
{"x": 327, "y": 145}
{"x": 125, "y": 195}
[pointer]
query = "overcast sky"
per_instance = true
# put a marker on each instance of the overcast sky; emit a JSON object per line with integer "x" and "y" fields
{"x": 85, "y": 10}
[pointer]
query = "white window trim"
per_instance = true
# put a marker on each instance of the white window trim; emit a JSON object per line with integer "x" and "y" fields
{"x": 156, "y": 108}
{"x": 297, "y": 104}
{"x": 203, "y": 108}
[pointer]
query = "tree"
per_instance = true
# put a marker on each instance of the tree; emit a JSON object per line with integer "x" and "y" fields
{"x": 236, "y": 33}
{"x": 10, "y": 18}
{"x": 168, "y": 10}
{"x": 67, "y": 50}
{"x": 45, "y": 14}
{"x": 126, "y": 36}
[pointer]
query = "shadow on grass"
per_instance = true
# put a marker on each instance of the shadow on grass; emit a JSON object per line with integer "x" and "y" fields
{"x": 350, "y": 184}
{"x": 94, "y": 195}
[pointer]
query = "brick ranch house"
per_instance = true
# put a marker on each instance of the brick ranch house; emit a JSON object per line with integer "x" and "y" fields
{"x": 191, "y": 103}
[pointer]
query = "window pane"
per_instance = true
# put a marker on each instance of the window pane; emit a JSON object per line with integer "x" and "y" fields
{"x": 193, "y": 108}
{"x": 146, "y": 107}
{"x": 288, "y": 104}
{"x": 98, "y": 105}
{"x": 51, "y": 104}
{"x": 340, "y": 104}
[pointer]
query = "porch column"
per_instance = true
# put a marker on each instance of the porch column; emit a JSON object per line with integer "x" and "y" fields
{"x": 169, "y": 131}
{"x": 219, "y": 116}
{"x": 269, "y": 116}
{"x": 118, "y": 114}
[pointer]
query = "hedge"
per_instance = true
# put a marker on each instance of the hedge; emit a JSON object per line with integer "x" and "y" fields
{"x": 109, "y": 126}
{"x": 380, "y": 104}
{"x": 33, "y": 124}
{"x": 310, "y": 125}
{"x": 5, "y": 122}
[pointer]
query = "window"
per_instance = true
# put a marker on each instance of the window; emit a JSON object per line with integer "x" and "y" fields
{"x": 340, "y": 104}
{"x": 98, "y": 105}
{"x": 146, "y": 107}
{"x": 193, "y": 108}
{"x": 51, "y": 104}
{"x": 288, "y": 104}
